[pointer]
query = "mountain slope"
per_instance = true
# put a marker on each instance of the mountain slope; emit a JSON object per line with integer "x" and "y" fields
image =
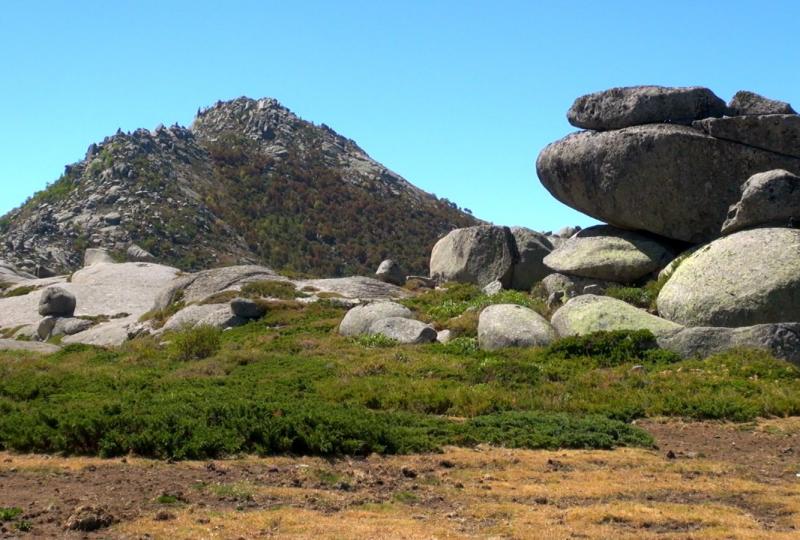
{"x": 248, "y": 182}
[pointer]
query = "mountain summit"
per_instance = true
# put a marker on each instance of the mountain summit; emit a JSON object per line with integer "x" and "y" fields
{"x": 248, "y": 182}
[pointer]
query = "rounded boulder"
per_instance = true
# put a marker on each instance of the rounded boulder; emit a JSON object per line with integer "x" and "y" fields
{"x": 510, "y": 325}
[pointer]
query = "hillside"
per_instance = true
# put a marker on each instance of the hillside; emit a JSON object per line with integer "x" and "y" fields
{"x": 248, "y": 182}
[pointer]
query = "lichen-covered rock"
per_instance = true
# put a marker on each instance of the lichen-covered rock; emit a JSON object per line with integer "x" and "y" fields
{"x": 479, "y": 254}
{"x": 358, "y": 320}
{"x": 746, "y": 103}
{"x": 589, "y": 313}
{"x": 778, "y": 133}
{"x": 671, "y": 180}
{"x": 57, "y": 301}
{"x": 636, "y": 105}
{"x": 606, "y": 253}
{"x": 510, "y": 325}
{"x": 782, "y": 340}
{"x": 403, "y": 330}
{"x": 532, "y": 248}
{"x": 768, "y": 198}
{"x": 747, "y": 278}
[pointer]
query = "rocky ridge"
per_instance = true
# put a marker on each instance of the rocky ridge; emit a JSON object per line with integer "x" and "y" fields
{"x": 248, "y": 182}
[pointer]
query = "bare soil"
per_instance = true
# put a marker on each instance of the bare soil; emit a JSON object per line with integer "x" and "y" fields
{"x": 705, "y": 480}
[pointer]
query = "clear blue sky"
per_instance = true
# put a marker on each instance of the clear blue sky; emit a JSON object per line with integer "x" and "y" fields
{"x": 457, "y": 96}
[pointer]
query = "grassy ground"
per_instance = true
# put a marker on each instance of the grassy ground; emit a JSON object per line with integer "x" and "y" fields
{"x": 289, "y": 383}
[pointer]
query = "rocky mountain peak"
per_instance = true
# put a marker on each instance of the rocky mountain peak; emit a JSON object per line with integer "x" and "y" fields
{"x": 248, "y": 182}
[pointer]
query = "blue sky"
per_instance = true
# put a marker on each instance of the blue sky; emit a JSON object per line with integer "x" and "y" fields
{"x": 457, "y": 96}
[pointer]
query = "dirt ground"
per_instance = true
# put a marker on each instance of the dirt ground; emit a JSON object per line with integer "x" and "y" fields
{"x": 705, "y": 480}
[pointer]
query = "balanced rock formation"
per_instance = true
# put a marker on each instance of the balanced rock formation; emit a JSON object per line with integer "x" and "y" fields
{"x": 636, "y": 105}
{"x": 606, "y": 253}
{"x": 749, "y": 277}
{"x": 589, "y": 313}
{"x": 510, "y": 325}
{"x": 768, "y": 198}
{"x": 676, "y": 181}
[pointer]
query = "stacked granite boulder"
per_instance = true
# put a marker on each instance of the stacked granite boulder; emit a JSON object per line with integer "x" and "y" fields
{"x": 702, "y": 195}
{"x": 674, "y": 169}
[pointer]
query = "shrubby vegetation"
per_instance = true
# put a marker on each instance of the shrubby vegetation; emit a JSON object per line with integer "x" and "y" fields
{"x": 289, "y": 383}
{"x": 283, "y": 209}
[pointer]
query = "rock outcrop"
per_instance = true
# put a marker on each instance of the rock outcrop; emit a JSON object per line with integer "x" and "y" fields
{"x": 747, "y": 278}
{"x": 532, "y": 247}
{"x": 390, "y": 272}
{"x": 779, "y": 133}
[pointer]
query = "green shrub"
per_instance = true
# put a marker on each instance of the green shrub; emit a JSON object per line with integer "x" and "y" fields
{"x": 195, "y": 343}
{"x": 9, "y": 513}
{"x": 271, "y": 289}
{"x": 611, "y": 348}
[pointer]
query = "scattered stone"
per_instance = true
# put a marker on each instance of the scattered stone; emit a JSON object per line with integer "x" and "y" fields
{"x": 778, "y": 133}
{"x": 671, "y": 180}
{"x": 358, "y": 320}
{"x": 403, "y": 330}
{"x": 532, "y": 247}
{"x": 636, "y": 105}
{"x": 749, "y": 277}
{"x": 89, "y": 518}
{"x": 421, "y": 282}
{"x": 164, "y": 515}
{"x": 479, "y": 254}
{"x": 390, "y": 272}
{"x": 247, "y": 308}
{"x": 782, "y": 340}
{"x": 112, "y": 218}
{"x": 61, "y": 326}
{"x": 96, "y": 256}
{"x": 768, "y": 198}
{"x": 510, "y": 325}
{"x": 137, "y": 253}
{"x": 588, "y": 313}
{"x": 495, "y": 287}
{"x": 746, "y": 103}
{"x": 57, "y": 301}
{"x": 606, "y": 253}
{"x": 444, "y": 336}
